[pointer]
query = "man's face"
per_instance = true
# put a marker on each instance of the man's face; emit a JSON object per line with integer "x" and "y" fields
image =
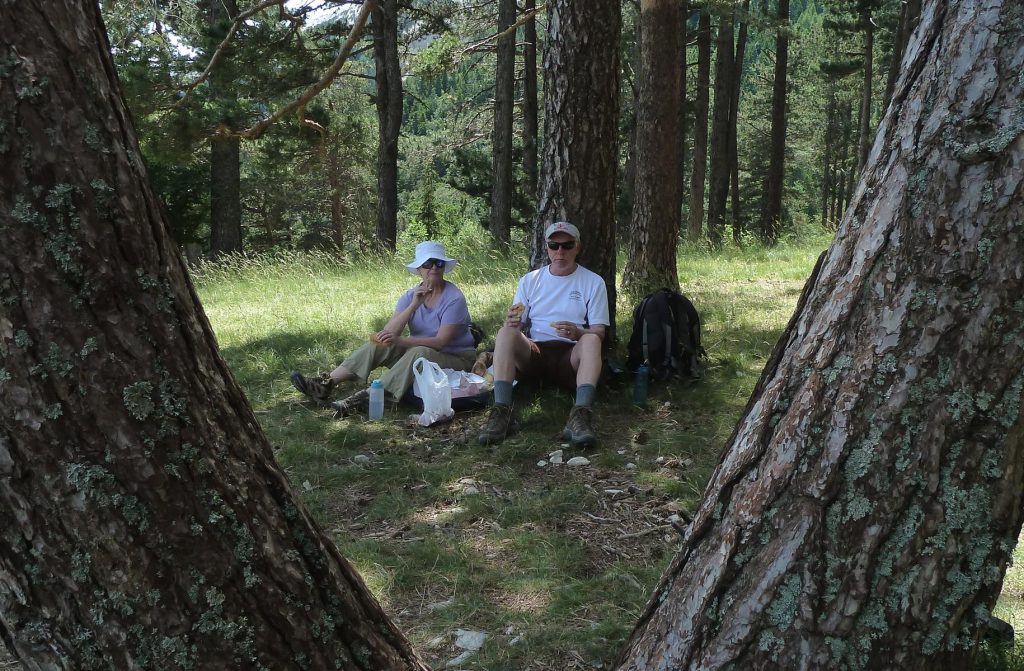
{"x": 562, "y": 254}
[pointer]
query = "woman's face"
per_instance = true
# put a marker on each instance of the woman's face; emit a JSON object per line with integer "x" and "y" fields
{"x": 432, "y": 271}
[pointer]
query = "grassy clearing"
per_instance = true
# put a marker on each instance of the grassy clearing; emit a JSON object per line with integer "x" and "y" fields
{"x": 553, "y": 564}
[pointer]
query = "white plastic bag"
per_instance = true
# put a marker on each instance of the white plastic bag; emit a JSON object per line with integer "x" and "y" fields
{"x": 432, "y": 385}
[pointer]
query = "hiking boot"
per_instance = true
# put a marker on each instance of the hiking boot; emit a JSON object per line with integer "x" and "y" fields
{"x": 499, "y": 424}
{"x": 579, "y": 430}
{"x": 350, "y": 405}
{"x": 318, "y": 389}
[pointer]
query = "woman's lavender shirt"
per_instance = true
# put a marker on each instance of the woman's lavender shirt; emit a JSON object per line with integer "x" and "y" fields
{"x": 450, "y": 309}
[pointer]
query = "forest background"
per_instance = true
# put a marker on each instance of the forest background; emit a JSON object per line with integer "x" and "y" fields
{"x": 318, "y": 179}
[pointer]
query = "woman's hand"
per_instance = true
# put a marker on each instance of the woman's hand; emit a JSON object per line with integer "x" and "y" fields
{"x": 385, "y": 337}
{"x": 420, "y": 293}
{"x": 567, "y": 330}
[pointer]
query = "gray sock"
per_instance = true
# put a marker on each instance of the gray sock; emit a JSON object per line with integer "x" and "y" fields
{"x": 503, "y": 392}
{"x": 585, "y": 395}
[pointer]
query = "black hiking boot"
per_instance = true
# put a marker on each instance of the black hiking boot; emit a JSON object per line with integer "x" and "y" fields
{"x": 351, "y": 405}
{"x": 579, "y": 430}
{"x": 499, "y": 425}
{"x": 318, "y": 389}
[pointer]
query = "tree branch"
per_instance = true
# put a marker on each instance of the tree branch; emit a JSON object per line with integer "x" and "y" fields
{"x": 219, "y": 52}
{"x": 299, "y": 104}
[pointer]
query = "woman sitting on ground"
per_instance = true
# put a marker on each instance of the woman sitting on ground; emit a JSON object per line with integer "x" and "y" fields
{"x": 438, "y": 319}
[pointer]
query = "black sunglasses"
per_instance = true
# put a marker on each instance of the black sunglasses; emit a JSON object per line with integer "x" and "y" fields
{"x": 568, "y": 244}
{"x": 433, "y": 263}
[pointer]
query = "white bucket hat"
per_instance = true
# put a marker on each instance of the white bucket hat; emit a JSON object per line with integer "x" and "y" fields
{"x": 431, "y": 250}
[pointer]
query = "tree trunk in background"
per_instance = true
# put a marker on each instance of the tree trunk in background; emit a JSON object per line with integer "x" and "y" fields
{"x": 530, "y": 102}
{"x": 337, "y": 207}
{"x": 867, "y": 91}
{"x": 702, "y": 96}
{"x": 225, "y": 149}
{"x": 909, "y": 15}
{"x": 684, "y": 15}
{"x": 144, "y": 521}
{"x": 734, "y": 108}
{"x": 654, "y": 229}
{"x": 581, "y": 101}
{"x": 828, "y": 167}
{"x": 866, "y": 506}
{"x": 718, "y": 194}
{"x": 389, "y": 119}
{"x": 771, "y": 214}
{"x": 501, "y": 138}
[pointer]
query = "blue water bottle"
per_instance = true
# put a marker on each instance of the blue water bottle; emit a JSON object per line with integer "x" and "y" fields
{"x": 376, "y": 400}
{"x": 640, "y": 383}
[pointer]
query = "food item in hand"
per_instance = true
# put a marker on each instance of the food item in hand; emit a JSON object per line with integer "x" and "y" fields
{"x": 516, "y": 310}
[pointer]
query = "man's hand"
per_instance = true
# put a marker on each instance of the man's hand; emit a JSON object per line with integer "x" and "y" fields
{"x": 514, "y": 318}
{"x": 567, "y": 330}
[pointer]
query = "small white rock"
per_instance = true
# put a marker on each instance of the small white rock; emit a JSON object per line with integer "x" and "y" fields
{"x": 556, "y": 453}
{"x": 556, "y": 459}
{"x": 578, "y": 461}
{"x": 468, "y": 639}
{"x": 469, "y": 490}
{"x": 361, "y": 459}
{"x": 613, "y": 492}
{"x": 631, "y": 466}
{"x": 659, "y": 460}
{"x": 305, "y": 485}
{"x": 542, "y": 463}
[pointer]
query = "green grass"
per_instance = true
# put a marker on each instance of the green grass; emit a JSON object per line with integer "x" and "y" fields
{"x": 553, "y": 563}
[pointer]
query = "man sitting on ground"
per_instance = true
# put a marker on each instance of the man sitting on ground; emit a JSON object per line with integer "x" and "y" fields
{"x": 565, "y": 308}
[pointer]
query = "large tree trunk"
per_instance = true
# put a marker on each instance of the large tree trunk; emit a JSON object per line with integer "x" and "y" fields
{"x": 702, "y": 97}
{"x": 771, "y": 214}
{"x": 865, "y": 508}
{"x": 144, "y": 521}
{"x": 389, "y": 119}
{"x": 654, "y": 229}
{"x": 581, "y": 105}
{"x": 225, "y": 148}
{"x": 718, "y": 194}
{"x": 501, "y": 138}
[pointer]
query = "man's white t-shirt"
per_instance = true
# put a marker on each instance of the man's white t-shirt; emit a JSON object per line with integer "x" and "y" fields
{"x": 580, "y": 297}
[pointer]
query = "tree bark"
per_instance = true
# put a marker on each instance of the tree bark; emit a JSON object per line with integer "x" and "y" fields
{"x": 654, "y": 229}
{"x": 771, "y": 215}
{"x": 718, "y": 194}
{"x": 500, "y": 223}
{"x": 865, "y": 508}
{"x": 389, "y": 119}
{"x": 702, "y": 97}
{"x": 144, "y": 520}
{"x": 581, "y": 104}
{"x": 225, "y": 150}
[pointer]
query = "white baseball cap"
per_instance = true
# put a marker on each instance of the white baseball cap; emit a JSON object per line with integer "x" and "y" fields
{"x": 561, "y": 227}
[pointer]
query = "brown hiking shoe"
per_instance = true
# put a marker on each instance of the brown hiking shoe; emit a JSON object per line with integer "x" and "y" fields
{"x": 499, "y": 425}
{"x": 350, "y": 405}
{"x": 318, "y": 389}
{"x": 579, "y": 430}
